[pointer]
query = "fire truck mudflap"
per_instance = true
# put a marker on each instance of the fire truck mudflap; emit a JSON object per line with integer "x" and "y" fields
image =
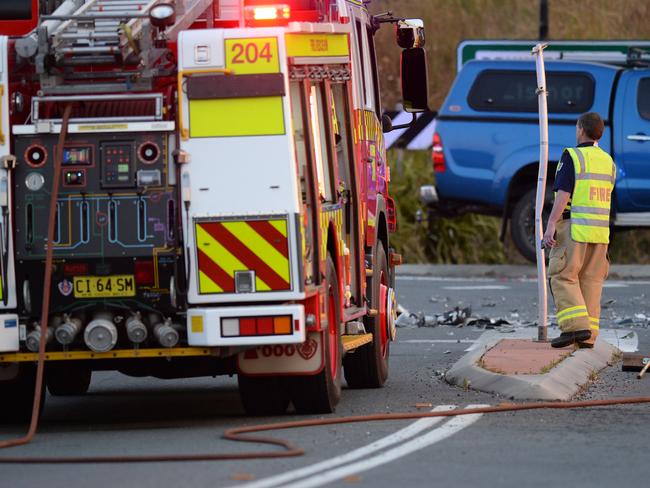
{"x": 284, "y": 359}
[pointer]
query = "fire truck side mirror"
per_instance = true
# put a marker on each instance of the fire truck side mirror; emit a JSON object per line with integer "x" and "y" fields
{"x": 415, "y": 87}
{"x": 386, "y": 123}
{"x": 410, "y": 33}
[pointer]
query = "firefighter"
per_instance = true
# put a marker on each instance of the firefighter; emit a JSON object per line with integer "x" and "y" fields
{"x": 578, "y": 234}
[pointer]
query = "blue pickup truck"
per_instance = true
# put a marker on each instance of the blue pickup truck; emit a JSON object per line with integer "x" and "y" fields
{"x": 486, "y": 141}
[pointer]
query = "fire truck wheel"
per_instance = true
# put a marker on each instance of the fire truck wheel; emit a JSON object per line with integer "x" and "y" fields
{"x": 367, "y": 367}
{"x": 67, "y": 378}
{"x": 320, "y": 393}
{"x": 18, "y": 396}
{"x": 265, "y": 395}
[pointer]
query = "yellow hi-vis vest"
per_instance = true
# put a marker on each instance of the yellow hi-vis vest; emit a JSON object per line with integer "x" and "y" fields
{"x": 595, "y": 174}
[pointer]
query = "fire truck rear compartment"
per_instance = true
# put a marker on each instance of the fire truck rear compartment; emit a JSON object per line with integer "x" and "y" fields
{"x": 116, "y": 222}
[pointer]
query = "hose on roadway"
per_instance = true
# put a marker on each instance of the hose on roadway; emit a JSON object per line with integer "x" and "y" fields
{"x": 239, "y": 434}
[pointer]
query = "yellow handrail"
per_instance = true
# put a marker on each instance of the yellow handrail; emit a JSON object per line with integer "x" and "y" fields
{"x": 185, "y": 133}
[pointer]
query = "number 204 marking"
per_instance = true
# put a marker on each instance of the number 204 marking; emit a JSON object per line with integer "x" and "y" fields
{"x": 251, "y": 53}
{"x": 252, "y": 56}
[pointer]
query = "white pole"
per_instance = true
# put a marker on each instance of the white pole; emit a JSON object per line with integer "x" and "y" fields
{"x": 538, "y": 52}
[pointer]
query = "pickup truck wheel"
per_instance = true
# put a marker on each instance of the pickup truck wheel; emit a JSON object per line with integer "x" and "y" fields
{"x": 67, "y": 379}
{"x": 320, "y": 393}
{"x": 522, "y": 222}
{"x": 18, "y": 396}
{"x": 367, "y": 367}
{"x": 266, "y": 395}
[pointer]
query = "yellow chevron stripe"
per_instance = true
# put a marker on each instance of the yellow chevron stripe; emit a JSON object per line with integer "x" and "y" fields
{"x": 335, "y": 216}
{"x": 323, "y": 231}
{"x": 206, "y": 285}
{"x": 222, "y": 256}
{"x": 280, "y": 226}
{"x": 256, "y": 243}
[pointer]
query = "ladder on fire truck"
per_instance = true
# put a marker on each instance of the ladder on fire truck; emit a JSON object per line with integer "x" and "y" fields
{"x": 100, "y": 28}
{"x": 80, "y": 37}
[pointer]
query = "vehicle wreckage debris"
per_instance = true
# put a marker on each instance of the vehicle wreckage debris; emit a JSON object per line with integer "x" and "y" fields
{"x": 458, "y": 317}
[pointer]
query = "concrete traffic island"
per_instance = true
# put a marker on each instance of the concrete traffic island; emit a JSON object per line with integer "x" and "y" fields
{"x": 521, "y": 369}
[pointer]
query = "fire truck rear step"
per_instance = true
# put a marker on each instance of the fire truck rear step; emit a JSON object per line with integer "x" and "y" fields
{"x": 351, "y": 342}
{"x": 114, "y": 354}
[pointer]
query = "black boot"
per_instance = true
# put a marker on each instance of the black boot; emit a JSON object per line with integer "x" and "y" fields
{"x": 568, "y": 338}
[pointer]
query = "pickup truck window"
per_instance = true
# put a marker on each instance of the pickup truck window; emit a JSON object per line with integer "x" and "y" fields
{"x": 514, "y": 91}
{"x": 643, "y": 98}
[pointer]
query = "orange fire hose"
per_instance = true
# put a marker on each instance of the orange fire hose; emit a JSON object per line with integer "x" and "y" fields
{"x": 45, "y": 310}
{"x": 238, "y": 433}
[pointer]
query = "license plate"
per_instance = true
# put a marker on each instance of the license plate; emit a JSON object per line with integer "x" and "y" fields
{"x": 104, "y": 286}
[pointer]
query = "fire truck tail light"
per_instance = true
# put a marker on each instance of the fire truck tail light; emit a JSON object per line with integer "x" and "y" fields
{"x": 143, "y": 272}
{"x": 256, "y": 326}
{"x": 438, "y": 155}
{"x": 280, "y": 12}
{"x": 75, "y": 269}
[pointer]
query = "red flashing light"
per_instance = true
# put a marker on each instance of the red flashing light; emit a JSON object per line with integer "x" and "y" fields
{"x": 267, "y": 14}
{"x": 438, "y": 155}
{"x": 143, "y": 272}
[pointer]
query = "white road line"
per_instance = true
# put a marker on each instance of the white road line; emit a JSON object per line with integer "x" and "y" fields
{"x": 609, "y": 284}
{"x": 477, "y": 287}
{"x": 442, "y": 278}
{"x": 361, "y": 452}
{"x": 446, "y": 430}
{"x": 437, "y": 341}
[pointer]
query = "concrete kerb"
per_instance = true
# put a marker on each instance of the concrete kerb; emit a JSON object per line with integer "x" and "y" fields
{"x": 562, "y": 382}
{"x": 514, "y": 271}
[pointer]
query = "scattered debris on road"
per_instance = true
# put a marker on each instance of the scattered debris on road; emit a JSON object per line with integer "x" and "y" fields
{"x": 608, "y": 304}
{"x": 423, "y": 405}
{"x": 460, "y": 317}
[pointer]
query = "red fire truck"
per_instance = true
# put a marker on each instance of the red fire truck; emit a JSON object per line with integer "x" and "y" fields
{"x": 223, "y": 205}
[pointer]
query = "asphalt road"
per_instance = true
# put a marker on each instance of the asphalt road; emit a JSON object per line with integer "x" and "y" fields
{"x": 586, "y": 448}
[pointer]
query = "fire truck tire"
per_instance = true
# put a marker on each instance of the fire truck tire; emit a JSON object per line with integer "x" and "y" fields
{"x": 320, "y": 393}
{"x": 266, "y": 395}
{"x": 67, "y": 379}
{"x": 18, "y": 396}
{"x": 367, "y": 367}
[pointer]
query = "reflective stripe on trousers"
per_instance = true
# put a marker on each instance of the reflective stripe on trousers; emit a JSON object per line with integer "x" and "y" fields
{"x": 571, "y": 313}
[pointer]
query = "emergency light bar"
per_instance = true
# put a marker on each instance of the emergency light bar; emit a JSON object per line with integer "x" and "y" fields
{"x": 278, "y": 14}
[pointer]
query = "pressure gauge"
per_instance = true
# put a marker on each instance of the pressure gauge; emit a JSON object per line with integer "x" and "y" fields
{"x": 34, "y": 181}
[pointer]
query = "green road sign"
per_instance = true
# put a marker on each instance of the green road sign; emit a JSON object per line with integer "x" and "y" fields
{"x": 598, "y": 51}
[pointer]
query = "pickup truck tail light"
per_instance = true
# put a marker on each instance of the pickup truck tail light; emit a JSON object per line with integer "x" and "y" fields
{"x": 438, "y": 155}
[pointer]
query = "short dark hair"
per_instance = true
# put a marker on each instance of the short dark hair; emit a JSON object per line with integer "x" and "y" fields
{"x": 592, "y": 124}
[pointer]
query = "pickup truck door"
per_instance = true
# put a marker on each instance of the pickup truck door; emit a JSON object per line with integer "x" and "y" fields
{"x": 632, "y": 141}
